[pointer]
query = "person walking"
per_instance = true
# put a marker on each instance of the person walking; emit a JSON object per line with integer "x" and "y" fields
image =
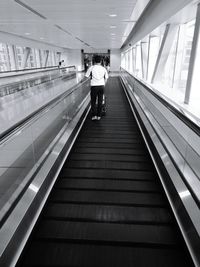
{"x": 99, "y": 76}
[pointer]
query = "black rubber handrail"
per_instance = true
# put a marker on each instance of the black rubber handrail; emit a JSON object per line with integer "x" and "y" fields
{"x": 39, "y": 69}
{"x": 29, "y": 71}
{"x": 26, "y": 80}
{"x": 192, "y": 125}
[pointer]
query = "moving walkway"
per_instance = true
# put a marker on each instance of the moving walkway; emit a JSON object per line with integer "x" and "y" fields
{"x": 107, "y": 206}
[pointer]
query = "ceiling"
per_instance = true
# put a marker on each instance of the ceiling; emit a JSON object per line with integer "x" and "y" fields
{"x": 79, "y": 24}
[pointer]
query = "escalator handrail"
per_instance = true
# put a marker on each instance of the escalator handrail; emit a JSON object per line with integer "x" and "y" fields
{"x": 28, "y": 71}
{"x": 12, "y": 84}
{"x": 177, "y": 112}
{"x": 19, "y": 125}
{"x": 189, "y": 188}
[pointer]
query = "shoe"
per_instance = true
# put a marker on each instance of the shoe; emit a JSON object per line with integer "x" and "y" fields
{"x": 94, "y": 118}
{"x": 98, "y": 118}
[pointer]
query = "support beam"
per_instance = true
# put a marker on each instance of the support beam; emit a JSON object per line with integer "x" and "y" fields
{"x": 37, "y": 58}
{"x": 46, "y": 58}
{"x": 193, "y": 56}
{"x": 25, "y": 57}
{"x": 8, "y": 58}
{"x": 129, "y": 60}
{"x": 144, "y": 57}
{"x": 134, "y": 58}
{"x": 156, "y": 13}
{"x": 169, "y": 35}
{"x": 12, "y": 56}
{"x": 148, "y": 55}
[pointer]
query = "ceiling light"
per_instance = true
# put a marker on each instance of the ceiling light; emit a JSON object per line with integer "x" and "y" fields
{"x": 128, "y": 21}
{"x": 27, "y": 33}
{"x": 113, "y": 15}
{"x": 41, "y": 38}
{"x": 113, "y": 26}
{"x": 112, "y": 34}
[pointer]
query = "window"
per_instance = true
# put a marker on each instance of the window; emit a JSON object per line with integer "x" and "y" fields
{"x": 195, "y": 92}
{"x": 167, "y": 78}
{"x": 19, "y": 55}
{"x": 154, "y": 45}
{"x": 184, "y": 51}
{"x": 123, "y": 60}
{"x": 138, "y": 70}
{"x": 134, "y": 59}
{"x": 4, "y": 62}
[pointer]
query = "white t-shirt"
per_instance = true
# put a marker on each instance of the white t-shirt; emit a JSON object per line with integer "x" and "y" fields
{"x": 99, "y": 75}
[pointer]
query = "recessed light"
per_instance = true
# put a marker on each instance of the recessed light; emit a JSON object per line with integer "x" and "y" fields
{"x": 112, "y": 34}
{"x": 113, "y": 15}
{"x": 27, "y": 33}
{"x": 113, "y": 26}
{"x": 41, "y": 38}
{"x": 127, "y": 20}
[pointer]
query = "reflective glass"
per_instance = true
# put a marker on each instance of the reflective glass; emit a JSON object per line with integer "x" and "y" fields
{"x": 24, "y": 151}
{"x": 183, "y": 56}
{"x": 154, "y": 44}
{"x": 138, "y": 71}
{"x": 4, "y": 59}
{"x": 168, "y": 74}
{"x": 195, "y": 92}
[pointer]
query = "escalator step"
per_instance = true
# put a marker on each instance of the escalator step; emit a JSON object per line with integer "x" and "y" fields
{"x": 95, "y": 164}
{"x": 108, "y": 198}
{"x": 109, "y": 140}
{"x": 114, "y": 214}
{"x": 109, "y": 157}
{"x": 51, "y": 254}
{"x": 97, "y": 184}
{"x": 111, "y": 145}
{"x": 107, "y": 233}
{"x": 86, "y": 149}
{"x": 108, "y": 174}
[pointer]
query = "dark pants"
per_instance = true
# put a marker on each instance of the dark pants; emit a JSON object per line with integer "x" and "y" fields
{"x": 96, "y": 94}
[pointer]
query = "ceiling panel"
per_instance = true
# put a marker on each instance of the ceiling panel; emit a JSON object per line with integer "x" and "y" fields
{"x": 69, "y": 23}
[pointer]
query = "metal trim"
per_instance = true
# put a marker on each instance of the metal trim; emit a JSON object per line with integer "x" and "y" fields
{"x": 30, "y": 9}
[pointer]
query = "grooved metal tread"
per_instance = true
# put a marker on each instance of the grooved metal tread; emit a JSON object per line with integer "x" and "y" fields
{"x": 107, "y": 207}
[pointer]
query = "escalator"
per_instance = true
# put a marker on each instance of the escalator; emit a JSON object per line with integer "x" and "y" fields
{"x": 107, "y": 207}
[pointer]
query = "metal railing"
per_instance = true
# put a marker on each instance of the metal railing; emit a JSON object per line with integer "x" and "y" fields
{"x": 25, "y": 71}
{"x": 21, "y": 81}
